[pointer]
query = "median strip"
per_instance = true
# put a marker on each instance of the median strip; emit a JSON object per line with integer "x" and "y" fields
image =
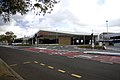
{"x": 62, "y": 71}
{"x": 75, "y": 75}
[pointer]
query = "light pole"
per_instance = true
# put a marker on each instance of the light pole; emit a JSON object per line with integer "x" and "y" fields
{"x": 56, "y": 36}
{"x": 107, "y": 25}
{"x": 107, "y": 29}
{"x": 107, "y": 37}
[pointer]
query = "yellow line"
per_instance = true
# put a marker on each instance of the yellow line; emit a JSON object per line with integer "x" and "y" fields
{"x": 50, "y": 67}
{"x": 75, "y": 75}
{"x": 13, "y": 65}
{"x": 60, "y": 70}
{"x": 26, "y": 62}
{"x": 35, "y": 62}
{"x": 42, "y": 64}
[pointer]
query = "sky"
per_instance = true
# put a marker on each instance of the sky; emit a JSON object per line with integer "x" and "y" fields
{"x": 71, "y": 16}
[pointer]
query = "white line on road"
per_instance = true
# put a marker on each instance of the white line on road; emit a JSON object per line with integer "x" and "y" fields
{"x": 106, "y": 62}
{"x": 62, "y": 71}
{"x": 75, "y": 75}
{"x": 51, "y": 67}
{"x": 26, "y": 62}
{"x": 35, "y": 62}
{"x": 42, "y": 64}
{"x": 13, "y": 65}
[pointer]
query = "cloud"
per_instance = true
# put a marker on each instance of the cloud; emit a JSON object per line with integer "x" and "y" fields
{"x": 115, "y": 22}
{"x": 69, "y": 16}
{"x": 100, "y": 2}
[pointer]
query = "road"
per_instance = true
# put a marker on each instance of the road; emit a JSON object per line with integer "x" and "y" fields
{"x": 38, "y": 66}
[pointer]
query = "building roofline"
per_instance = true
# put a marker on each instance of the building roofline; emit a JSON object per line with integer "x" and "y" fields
{"x": 69, "y": 33}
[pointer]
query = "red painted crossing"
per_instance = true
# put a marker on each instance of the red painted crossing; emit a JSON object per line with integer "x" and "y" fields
{"x": 102, "y": 58}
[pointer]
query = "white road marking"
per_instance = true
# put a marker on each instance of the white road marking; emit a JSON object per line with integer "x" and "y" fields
{"x": 42, "y": 64}
{"x": 35, "y": 62}
{"x": 106, "y": 62}
{"x": 60, "y": 70}
{"x": 13, "y": 65}
{"x": 75, "y": 75}
{"x": 26, "y": 62}
{"x": 51, "y": 67}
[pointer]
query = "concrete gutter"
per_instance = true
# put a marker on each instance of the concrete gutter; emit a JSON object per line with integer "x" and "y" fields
{"x": 7, "y": 73}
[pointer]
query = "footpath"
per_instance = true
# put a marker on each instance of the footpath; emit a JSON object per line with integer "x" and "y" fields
{"x": 7, "y": 73}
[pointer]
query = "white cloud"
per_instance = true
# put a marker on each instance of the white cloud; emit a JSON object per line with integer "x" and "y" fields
{"x": 70, "y": 16}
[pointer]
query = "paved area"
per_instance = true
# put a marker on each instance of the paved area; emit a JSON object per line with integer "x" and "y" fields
{"x": 43, "y": 66}
{"x": 72, "y": 52}
{"x": 6, "y": 73}
{"x": 112, "y": 48}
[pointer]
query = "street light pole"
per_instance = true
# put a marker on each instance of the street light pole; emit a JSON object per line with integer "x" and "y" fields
{"x": 107, "y": 30}
{"x": 56, "y": 36}
{"x": 107, "y": 25}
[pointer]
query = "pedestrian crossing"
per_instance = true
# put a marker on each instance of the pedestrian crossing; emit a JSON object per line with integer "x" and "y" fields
{"x": 77, "y": 54}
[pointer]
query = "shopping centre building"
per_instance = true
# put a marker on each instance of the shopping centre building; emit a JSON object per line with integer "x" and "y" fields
{"x": 67, "y": 38}
{"x": 62, "y": 38}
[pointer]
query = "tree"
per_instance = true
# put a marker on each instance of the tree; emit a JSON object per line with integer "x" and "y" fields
{"x": 9, "y": 37}
{"x": 11, "y": 7}
{"x": 2, "y": 37}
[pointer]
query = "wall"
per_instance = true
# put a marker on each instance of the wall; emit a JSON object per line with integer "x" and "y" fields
{"x": 64, "y": 40}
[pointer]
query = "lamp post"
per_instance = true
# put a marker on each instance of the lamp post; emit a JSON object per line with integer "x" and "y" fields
{"x": 107, "y": 29}
{"x": 107, "y": 37}
{"x": 107, "y": 25}
{"x": 56, "y": 36}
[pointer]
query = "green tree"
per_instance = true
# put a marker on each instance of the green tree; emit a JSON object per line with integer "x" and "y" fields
{"x": 2, "y": 37}
{"x": 11, "y": 7}
{"x": 9, "y": 37}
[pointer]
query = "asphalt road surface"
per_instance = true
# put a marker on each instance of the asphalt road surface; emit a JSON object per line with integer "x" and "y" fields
{"x": 38, "y": 66}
